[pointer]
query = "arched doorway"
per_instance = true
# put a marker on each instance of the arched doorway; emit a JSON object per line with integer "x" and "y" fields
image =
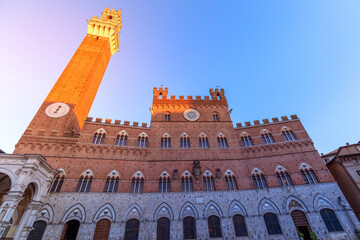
{"x": 102, "y": 230}
{"x": 132, "y": 229}
{"x": 70, "y": 230}
{"x": 301, "y": 223}
{"x": 38, "y": 231}
{"x": 163, "y": 229}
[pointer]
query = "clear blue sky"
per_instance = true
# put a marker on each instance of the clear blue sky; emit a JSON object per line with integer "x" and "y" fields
{"x": 273, "y": 58}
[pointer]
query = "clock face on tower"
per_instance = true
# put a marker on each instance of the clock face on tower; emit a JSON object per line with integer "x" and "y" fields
{"x": 56, "y": 110}
{"x": 191, "y": 114}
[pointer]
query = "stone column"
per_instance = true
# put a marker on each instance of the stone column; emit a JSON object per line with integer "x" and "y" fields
{"x": 27, "y": 221}
{"x": 7, "y": 209}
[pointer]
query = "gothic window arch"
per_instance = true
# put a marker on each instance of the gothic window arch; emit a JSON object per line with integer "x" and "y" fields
{"x": 186, "y": 182}
{"x": 215, "y": 116}
{"x": 230, "y": 181}
{"x": 164, "y": 183}
{"x": 184, "y": 141}
{"x": 308, "y": 174}
{"x": 165, "y": 141}
{"x": 246, "y": 140}
{"x": 203, "y": 141}
{"x": 214, "y": 227}
{"x": 209, "y": 182}
{"x": 267, "y": 137}
{"x": 85, "y": 181}
{"x": 137, "y": 183}
{"x": 258, "y": 179}
{"x": 132, "y": 229}
{"x": 272, "y": 224}
{"x": 142, "y": 140}
{"x": 58, "y": 181}
{"x": 189, "y": 227}
{"x": 288, "y": 134}
{"x": 99, "y": 136}
{"x": 331, "y": 221}
{"x": 112, "y": 182}
{"x": 163, "y": 229}
{"x": 283, "y": 177}
{"x": 167, "y": 116}
{"x": 222, "y": 142}
{"x": 239, "y": 226}
{"x": 121, "y": 138}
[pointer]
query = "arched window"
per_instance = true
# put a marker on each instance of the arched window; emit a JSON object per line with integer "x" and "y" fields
{"x": 331, "y": 221}
{"x": 267, "y": 137}
{"x": 214, "y": 227}
{"x": 102, "y": 229}
{"x": 70, "y": 230}
{"x": 283, "y": 177}
{"x": 142, "y": 140}
{"x": 222, "y": 142}
{"x": 38, "y": 231}
{"x": 230, "y": 181}
{"x": 186, "y": 182}
{"x": 164, "y": 183}
{"x": 57, "y": 182}
{"x": 208, "y": 181}
{"x": 167, "y": 116}
{"x": 189, "y": 226}
{"x": 112, "y": 182}
{"x": 163, "y": 229}
{"x": 184, "y": 141}
{"x": 203, "y": 141}
{"x": 215, "y": 116}
{"x": 85, "y": 181}
{"x": 121, "y": 139}
{"x": 258, "y": 179}
{"x": 246, "y": 140}
{"x": 165, "y": 141}
{"x": 99, "y": 136}
{"x": 272, "y": 224}
{"x": 239, "y": 226}
{"x": 288, "y": 134}
{"x": 137, "y": 183}
{"x": 308, "y": 174}
{"x": 132, "y": 229}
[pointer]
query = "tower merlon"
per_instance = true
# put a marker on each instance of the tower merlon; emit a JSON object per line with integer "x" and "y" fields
{"x": 266, "y": 121}
{"x": 108, "y": 26}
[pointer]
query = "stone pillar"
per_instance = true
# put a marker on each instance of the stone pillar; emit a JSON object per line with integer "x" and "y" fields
{"x": 27, "y": 220}
{"x": 7, "y": 209}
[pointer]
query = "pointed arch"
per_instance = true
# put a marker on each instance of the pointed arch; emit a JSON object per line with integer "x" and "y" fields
{"x": 188, "y": 209}
{"x": 99, "y": 136}
{"x": 320, "y": 202}
{"x": 266, "y": 205}
{"x": 134, "y": 211}
{"x": 107, "y": 211}
{"x": 46, "y": 214}
{"x": 236, "y": 207}
{"x": 299, "y": 204}
{"x": 161, "y": 211}
{"x": 212, "y": 208}
{"x": 76, "y": 212}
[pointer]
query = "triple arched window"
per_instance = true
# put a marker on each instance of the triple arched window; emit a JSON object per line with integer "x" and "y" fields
{"x": 184, "y": 141}
{"x": 230, "y": 181}
{"x": 186, "y": 182}
{"x": 137, "y": 183}
{"x": 308, "y": 174}
{"x": 208, "y": 180}
{"x": 283, "y": 177}
{"x": 164, "y": 183}
{"x": 258, "y": 179}
{"x": 99, "y": 136}
{"x": 112, "y": 182}
{"x": 203, "y": 141}
{"x": 165, "y": 141}
{"x": 222, "y": 142}
{"x": 121, "y": 139}
{"x": 142, "y": 140}
{"x": 246, "y": 140}
{"x": 267, "y": 137}
{"x": 288, "y": 134}
{"x": 58, "y": 182}
{"x": 85, "y": 181}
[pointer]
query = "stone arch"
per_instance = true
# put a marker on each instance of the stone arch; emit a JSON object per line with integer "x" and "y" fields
{"x": 35, "y": 187}
{"x": 212, "y": 209}
{"x": 76, "y": 212}
{"x": 107, "y": 211}
{"x": 100, "y": 130}
{"x": 320, "y": 202}
{"x": 236, "y": 207}
{"x": 299, "y": 204}
{"x": 163, "y": 210}
{"x": 266, "y": 205}
{"x": 10, "y": 174}
{"x": 134, "y": 211}
{"x": 46, "y": 214}
{"x": 188, "y": 209}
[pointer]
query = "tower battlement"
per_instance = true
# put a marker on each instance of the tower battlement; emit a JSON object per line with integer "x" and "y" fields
{"x": 266, "y": 121}
{"x": 162, "y": 94}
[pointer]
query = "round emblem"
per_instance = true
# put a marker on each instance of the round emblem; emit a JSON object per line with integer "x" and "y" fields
{"x": 191, "y": 114}
{"x": 56, "y": 110}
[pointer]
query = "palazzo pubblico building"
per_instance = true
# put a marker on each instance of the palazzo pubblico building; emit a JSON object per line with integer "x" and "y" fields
{"x": 189, "y": 175}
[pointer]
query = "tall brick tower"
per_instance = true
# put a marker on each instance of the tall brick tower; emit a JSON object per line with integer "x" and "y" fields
{"x": 68, "y": 103}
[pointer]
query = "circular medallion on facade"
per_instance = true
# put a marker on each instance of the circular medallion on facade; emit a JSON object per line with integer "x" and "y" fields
{"x": 56, "y": 110}
{"x": 191, "y": 114}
